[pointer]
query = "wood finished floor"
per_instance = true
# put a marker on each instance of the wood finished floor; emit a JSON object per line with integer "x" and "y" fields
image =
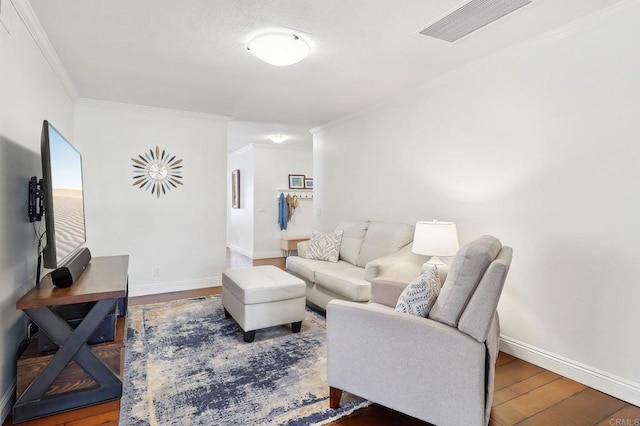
{"x": 524, "y": 393}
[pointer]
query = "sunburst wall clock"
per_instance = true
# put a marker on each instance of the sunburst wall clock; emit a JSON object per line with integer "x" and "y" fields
{"x": 156, "y": 171}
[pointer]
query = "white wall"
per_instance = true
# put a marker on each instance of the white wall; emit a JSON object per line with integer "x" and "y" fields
{"x": 176, "y": 241}
{"x": 240, "y": 221}
{"x": 273, "y": 167}
{"x": 253, "y": 229}
{"x": 537, "y": 145}
{"x": 31, "y": 92}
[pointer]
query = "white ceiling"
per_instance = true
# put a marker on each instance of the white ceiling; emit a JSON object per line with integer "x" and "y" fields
{"x": 191, "y": 54}
{"x": 241, "y": 133}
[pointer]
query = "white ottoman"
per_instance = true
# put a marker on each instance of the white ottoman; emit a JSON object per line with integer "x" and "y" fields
{"x": 263, "y": 296}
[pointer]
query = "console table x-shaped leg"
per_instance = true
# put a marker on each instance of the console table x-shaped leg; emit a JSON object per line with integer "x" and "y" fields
{"x": 72, "y": 346}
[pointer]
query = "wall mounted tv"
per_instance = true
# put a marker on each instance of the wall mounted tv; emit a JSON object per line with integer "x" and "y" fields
{"x": 63, "y": 207}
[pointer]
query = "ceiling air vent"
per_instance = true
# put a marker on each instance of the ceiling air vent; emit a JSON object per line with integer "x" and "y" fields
{"x": 468, "y": 18}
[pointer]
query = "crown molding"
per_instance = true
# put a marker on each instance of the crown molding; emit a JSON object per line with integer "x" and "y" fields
{"x": 145, "y": 108}
{"x": 298, "y": 147}
{"x": 580, "y": 25}
{"x": 28, "y": 17}
{"x": 593, "y": 20}
{"x": 4, "y": 22}
{"x": 271, "y": 146}
{"x": 242, "y": 150}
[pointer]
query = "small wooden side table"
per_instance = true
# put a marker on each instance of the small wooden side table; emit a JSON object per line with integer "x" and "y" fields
{"x": 289, "y": 244}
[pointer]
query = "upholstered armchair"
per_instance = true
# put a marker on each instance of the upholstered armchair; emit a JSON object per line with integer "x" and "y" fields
{"x": 439, "y": 369}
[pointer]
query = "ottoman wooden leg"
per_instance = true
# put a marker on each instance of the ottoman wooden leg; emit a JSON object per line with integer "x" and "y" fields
{"x": 296, "y": 326}
{"x": 335, "y": 395}
{"x": 249, "y": 336}
{"x": 227, "y": 314}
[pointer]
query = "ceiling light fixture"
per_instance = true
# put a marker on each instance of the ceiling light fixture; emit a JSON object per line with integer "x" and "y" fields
{"x": 280, "y": 49}
{"x": 277, "y": 138}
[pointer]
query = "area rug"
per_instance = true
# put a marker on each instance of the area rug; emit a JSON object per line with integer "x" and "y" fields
{"x": 188, "y": 365}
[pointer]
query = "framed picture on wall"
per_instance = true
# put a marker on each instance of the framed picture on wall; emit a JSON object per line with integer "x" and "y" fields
{"x": 235, "y": 189}
{"x": 308, "y": 183}
{"x": 296, "y": 181}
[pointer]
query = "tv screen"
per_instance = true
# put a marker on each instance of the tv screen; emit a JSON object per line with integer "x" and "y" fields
{"x": 63, "y": 198}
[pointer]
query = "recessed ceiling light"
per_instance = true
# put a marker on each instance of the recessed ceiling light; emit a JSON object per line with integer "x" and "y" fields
{"x": 280, "y": 49}
{"x": 277, "y": 138}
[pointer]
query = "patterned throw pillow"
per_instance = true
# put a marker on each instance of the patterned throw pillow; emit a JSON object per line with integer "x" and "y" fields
{"x": 421, "y": 294}
{"x": 325, "y": 246}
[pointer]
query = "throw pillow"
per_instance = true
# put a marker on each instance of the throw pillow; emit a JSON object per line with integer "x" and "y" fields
{"x": 324, "y": 246}
{"x": 420, "y": 295}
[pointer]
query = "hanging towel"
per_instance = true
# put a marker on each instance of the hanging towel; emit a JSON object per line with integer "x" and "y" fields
{"x": 293, "y": 205}
{"x": 289, "y": 207}
{"x": 283, "y": 212}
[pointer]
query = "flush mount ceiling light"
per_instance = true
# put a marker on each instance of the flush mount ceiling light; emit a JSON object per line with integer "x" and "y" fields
{"x": 280, "y": 49}
{"x": 277, "y": 138}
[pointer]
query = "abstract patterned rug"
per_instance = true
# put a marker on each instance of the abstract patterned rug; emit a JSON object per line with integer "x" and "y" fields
{"x": 188, "y": 365}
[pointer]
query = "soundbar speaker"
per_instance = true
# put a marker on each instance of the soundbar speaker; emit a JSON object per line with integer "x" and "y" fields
{"x": 67, "y": 275}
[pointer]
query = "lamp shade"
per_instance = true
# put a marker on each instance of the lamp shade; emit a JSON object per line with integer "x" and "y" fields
{"x": 435, "y": 239}
{"x": 279, "y": 49}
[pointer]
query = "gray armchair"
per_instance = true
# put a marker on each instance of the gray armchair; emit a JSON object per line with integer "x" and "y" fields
{"x": 439, "y": 369}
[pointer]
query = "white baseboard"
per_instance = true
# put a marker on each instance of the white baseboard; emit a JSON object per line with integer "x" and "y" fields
{"x": 256, "y": 255}
{"x": 6, "y": 402}
{"x": 168, "y": 287}
{"x": 618, "y": 387}
{"x": 268, "y": 254}
{"x": 240, "y": 250}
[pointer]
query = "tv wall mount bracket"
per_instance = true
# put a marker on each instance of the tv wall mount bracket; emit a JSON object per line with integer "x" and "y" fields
{"x": 36, "y": 200}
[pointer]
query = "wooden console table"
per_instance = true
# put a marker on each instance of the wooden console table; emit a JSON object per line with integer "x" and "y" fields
{"x": 77, "y": 374}
{"x": 289, "y": 244}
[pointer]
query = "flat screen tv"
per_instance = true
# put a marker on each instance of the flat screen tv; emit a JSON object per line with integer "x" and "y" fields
{"x": 63, "y": 198}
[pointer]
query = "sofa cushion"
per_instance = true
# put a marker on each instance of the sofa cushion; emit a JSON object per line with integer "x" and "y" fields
{"x": 465, "y": 272}
{"x": 382, "y": 239}
{"x": 324, "y": 246}
{"x": 306, "y": 268}
{"x": 421, "y": 293}
{"x": 352, "y": 238}
{"x": 346, "y": 282}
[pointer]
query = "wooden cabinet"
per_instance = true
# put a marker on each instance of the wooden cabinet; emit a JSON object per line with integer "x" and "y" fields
{"x": 77, "y": 374}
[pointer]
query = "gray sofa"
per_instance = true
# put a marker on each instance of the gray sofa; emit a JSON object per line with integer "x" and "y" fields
{"x": 439, "y": 369}
{"x": 369, "y": 250}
